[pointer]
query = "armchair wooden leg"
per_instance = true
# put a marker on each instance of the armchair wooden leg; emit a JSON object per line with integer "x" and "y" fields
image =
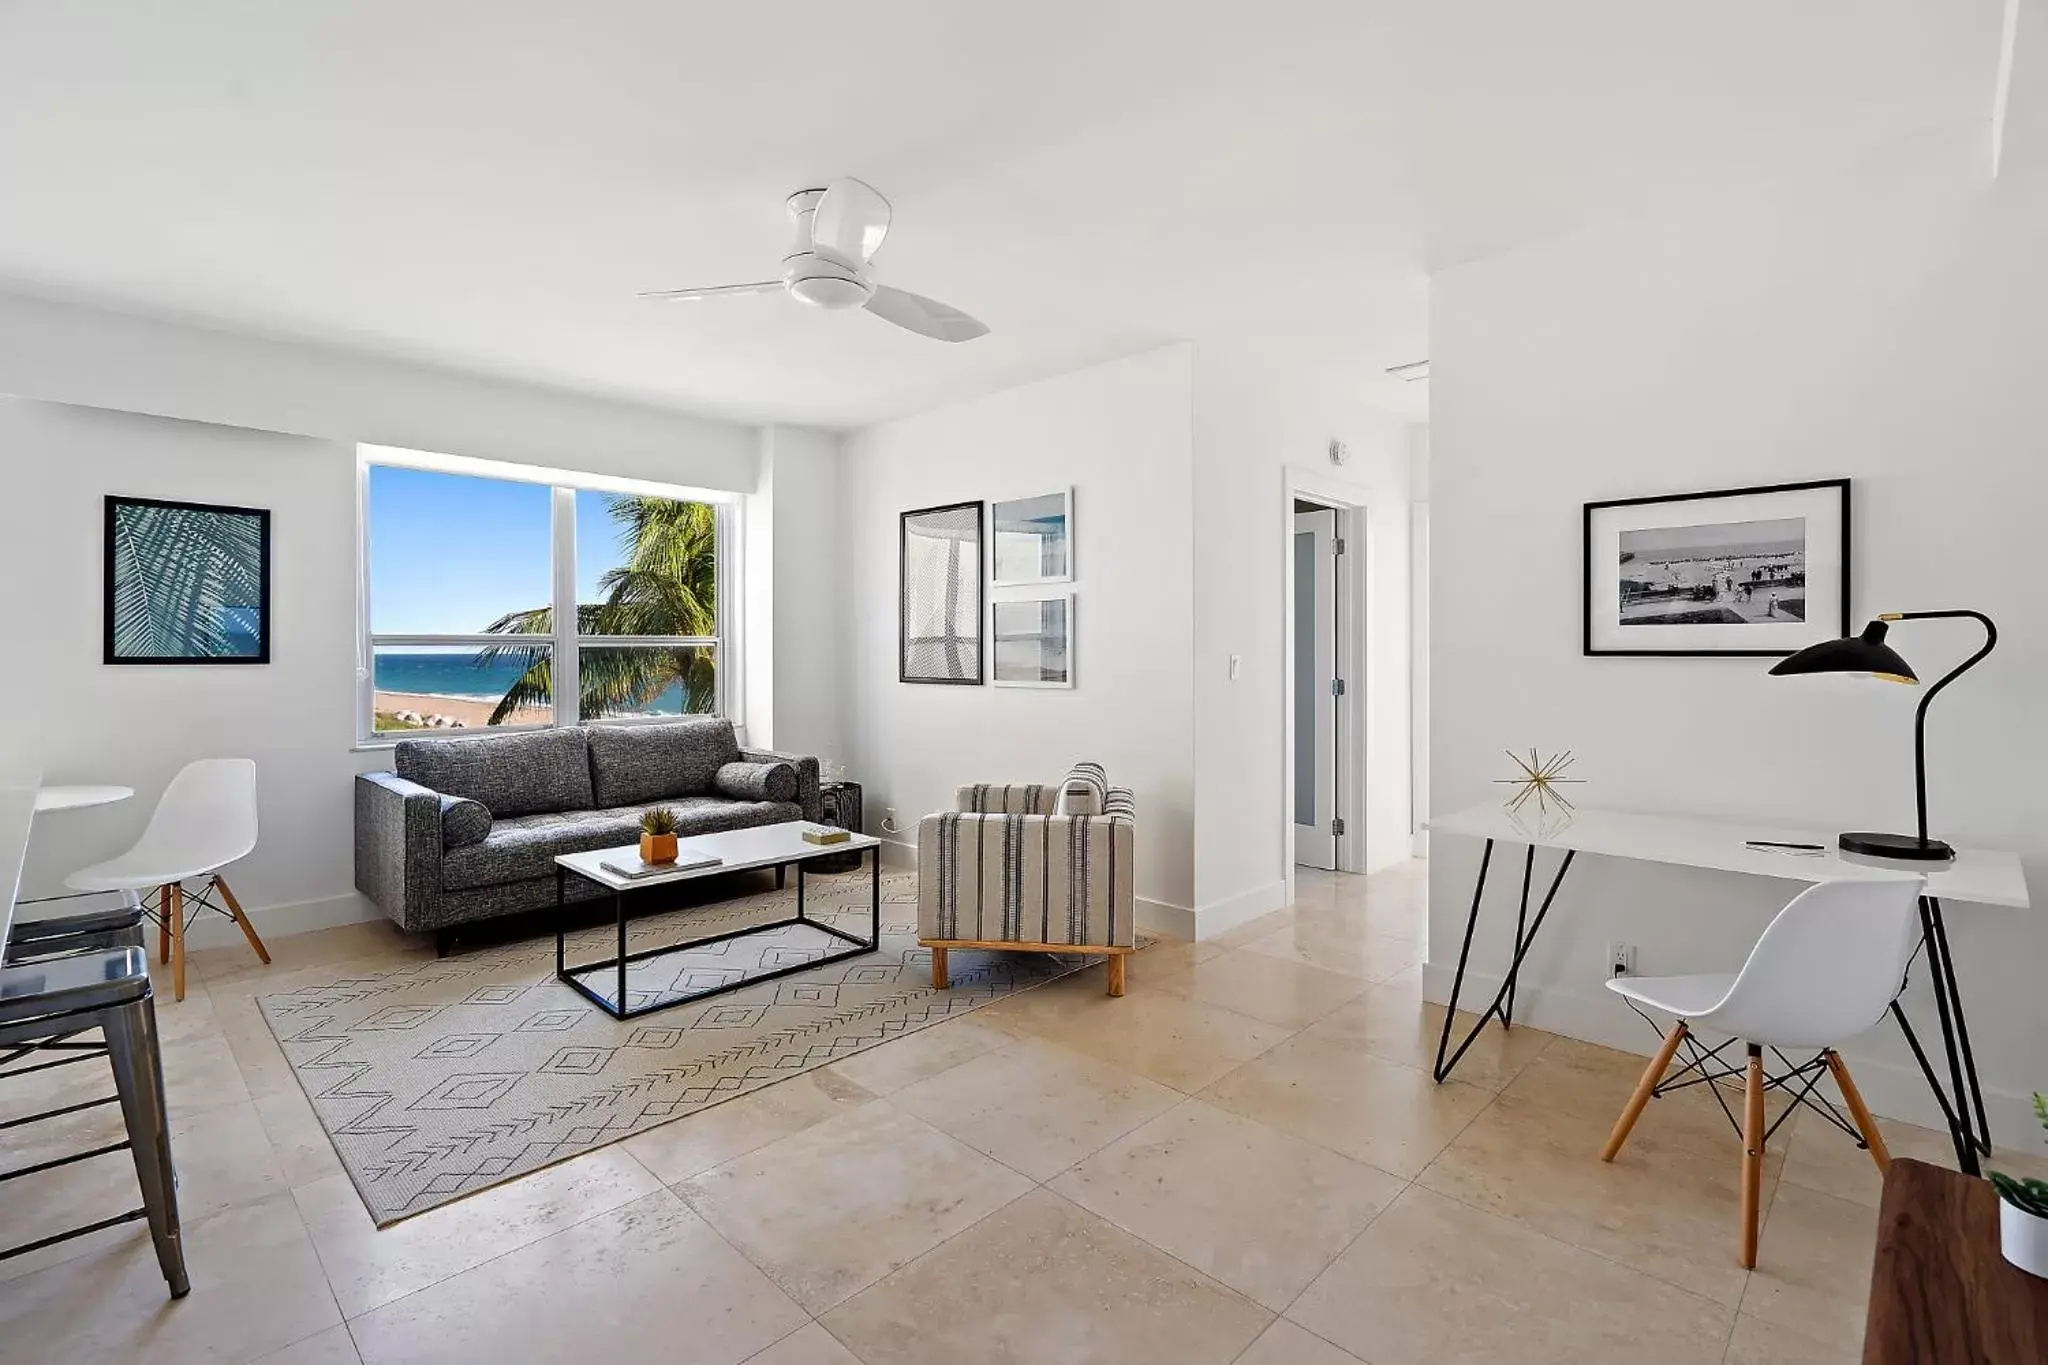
{"x": 175, "y": 912}
{"x": 1116, "y": 972}
{"x": 220, "y": 884}
{"x": 1866, "y": 1124}
{"x": 1652, "y": 1074}
{"x": 1752, "y": 1153}
{"x": 940, "y": 981}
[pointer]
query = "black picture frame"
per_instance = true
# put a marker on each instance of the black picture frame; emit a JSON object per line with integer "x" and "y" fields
{"x": 111, "y": 650}
{"x": 904, "y": 672}
{"x": 1831, "y": 629}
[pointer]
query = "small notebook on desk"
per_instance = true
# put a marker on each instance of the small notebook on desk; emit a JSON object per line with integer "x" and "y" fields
{"x": 631, "y": 866}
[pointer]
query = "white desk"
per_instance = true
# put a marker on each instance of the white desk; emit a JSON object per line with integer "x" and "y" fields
{"x": 1975, "y": 875}
{"x": 1978, "y": 876}
{"x": 78, "y": 798}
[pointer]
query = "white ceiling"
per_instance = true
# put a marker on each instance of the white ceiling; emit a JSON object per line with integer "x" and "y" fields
{"x": 485, "y": 183}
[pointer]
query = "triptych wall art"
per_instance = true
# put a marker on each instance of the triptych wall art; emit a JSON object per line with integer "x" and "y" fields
{"x": 948, "y": 629}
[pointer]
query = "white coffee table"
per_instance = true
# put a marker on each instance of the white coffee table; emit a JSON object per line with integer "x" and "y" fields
{"x": 740, "y": 850}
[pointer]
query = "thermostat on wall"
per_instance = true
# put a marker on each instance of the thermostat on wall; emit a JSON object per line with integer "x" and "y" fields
{"x": 1339, "y": 452}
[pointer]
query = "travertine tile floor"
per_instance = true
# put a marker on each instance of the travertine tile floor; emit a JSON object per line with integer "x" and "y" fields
{"x": 1244, "y": 1160}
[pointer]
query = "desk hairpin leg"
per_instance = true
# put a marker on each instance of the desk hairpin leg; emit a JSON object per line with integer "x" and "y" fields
{"x": 1967, "y": 1126}
{"x": 1501, "y": 1007}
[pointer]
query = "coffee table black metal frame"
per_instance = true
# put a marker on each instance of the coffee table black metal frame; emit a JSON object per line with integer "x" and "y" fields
{"x": 622, "y": 959}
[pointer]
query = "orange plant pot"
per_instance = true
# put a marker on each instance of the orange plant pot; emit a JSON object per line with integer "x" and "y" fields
{"x": 657, "y": 848}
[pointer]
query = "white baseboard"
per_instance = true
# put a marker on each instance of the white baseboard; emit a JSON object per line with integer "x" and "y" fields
{"x": 1222, "y": 916}
{"x": 1170, "y": 921}
{"x": 282, "y": 921}
{"x": 1891, "y": 1090}
{"x": 899, "y": 854}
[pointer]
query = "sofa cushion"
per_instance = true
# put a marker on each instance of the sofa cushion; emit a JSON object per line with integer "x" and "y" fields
{"x": 756, "y": 781}
{"x": 463, "y": 822}
{"x": 546, "y": 770}
{"x": 523, "y": 848}
{"x": 630, "y": 764}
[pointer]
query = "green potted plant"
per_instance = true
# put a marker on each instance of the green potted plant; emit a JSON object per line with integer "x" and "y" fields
{"x": 2023, "y": 1213}
{"x": 658, "y": 835}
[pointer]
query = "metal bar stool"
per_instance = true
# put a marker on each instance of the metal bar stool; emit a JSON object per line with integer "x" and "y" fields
{"x": 59, "y": 981}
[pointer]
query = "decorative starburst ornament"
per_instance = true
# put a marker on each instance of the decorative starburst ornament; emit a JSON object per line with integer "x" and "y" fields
{"x": 1540, "y": 779}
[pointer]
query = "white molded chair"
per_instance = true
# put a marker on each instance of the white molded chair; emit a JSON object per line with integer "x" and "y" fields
{"x": 1826, "y": 969}
{"x": 205, "y": 820}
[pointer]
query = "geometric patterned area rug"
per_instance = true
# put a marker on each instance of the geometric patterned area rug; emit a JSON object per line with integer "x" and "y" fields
{"x": 447, "y": 1076}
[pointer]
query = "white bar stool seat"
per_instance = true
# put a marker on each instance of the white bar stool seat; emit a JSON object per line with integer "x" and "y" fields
{"x": 205, "y": 820}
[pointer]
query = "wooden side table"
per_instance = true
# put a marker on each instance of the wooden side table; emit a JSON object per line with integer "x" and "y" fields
{"x": 1940, "y": 1293}
{"x": 842, "y": 802}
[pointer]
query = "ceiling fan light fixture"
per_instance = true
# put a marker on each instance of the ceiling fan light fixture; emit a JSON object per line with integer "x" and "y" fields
{"x": 830, "y": 291}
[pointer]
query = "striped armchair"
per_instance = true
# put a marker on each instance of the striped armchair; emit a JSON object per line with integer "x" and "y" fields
{"x": 1032, "y": 868}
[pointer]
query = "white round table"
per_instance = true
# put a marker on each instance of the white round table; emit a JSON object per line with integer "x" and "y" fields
{"x": 77, "y": 798}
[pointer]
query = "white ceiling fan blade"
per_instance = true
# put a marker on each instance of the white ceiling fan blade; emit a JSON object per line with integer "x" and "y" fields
{"x": 758, "y": 287}
{"x": 852, "y": 219}
{"x": 927, "y": 317}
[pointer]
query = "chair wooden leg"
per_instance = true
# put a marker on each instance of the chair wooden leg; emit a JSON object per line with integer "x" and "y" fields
{"x": 1116, "y": 972}
{"x": 940, "y": 981}
{"x": 163, "y": 926}
{"x": 1866, "y": 1124}
{"x": 1752, "y": 1153}
{"x": 1654, "y": 1073}
{"x": 176, "y": 914}
{"x": 220, "y": 884}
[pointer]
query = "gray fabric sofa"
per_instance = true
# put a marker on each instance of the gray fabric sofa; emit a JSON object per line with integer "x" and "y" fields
{"x": 468, "y": 829}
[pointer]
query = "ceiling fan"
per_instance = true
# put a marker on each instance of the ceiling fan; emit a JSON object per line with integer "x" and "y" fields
{"x": 838, "y": 230}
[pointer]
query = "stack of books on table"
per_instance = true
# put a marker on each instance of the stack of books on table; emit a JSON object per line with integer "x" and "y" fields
{"x": 629, "y": 864}
{"x": 825, "y": 834}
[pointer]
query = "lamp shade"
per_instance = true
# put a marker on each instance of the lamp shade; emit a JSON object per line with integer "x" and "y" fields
{"x": 1864, "y": 654}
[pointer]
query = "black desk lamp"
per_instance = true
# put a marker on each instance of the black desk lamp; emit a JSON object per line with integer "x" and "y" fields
{"x": 1867, "y": 655}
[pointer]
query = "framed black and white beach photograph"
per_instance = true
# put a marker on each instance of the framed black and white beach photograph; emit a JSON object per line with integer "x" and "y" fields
{"x": 185, "y": 583}
{"x": 1033, "y": 539}
{"x": 1744, "y": 571}
{"x": 1034, "y": 641}
{"x": 939, "y": 595}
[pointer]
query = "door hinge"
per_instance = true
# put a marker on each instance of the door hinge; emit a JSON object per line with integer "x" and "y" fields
{"x": 1340, "y": 545}
{"x": 1337, "y": 826}
{"x": 1336, "y": 687}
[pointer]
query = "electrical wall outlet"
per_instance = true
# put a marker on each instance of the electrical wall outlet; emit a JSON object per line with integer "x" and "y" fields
{"x": 1621, "y": 959}
{"x": 889, "y": 824}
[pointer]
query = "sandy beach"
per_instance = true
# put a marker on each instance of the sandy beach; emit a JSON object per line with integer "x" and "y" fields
{"x": 475, "y": 714}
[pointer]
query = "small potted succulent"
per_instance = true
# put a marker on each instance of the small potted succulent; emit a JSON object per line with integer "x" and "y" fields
{"x": 2023, "y": 1213}
{"x": 658, "y": 835}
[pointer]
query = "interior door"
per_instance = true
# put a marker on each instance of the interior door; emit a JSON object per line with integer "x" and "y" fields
{"x": 1316, "y": 817}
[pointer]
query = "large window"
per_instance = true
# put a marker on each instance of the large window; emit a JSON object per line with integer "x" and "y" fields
{"x": 500, "y": 601}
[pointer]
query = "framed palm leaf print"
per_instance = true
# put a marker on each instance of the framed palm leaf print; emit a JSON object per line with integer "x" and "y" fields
{"x": 186, "y": 583}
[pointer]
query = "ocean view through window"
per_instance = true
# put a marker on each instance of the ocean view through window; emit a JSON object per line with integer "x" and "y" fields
{"x": 507, "y": 602}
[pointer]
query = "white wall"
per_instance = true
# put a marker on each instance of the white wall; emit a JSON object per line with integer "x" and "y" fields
{"x": 794, "y": 598}
{"x": 1260, "y": 409}
{"x": 1119, "y": 433}
{"x": 84, "y": 721}
{"x": 70, "y": 354}
{"x": 1890, "y": 328}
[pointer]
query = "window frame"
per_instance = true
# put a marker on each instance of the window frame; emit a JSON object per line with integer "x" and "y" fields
{"x": 565, "y": 643}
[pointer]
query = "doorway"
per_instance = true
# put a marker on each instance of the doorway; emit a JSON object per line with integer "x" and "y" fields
{"x": 1318, "y": 686}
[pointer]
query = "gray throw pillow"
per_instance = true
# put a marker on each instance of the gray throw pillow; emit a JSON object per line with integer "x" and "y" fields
{"x": 756, "y": 781}
{"x": 464, "y": 822}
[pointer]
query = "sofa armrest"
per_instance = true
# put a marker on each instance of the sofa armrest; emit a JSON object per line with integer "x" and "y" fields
{"x": 398, "y": 845}
{"x": 806, "y": 779}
